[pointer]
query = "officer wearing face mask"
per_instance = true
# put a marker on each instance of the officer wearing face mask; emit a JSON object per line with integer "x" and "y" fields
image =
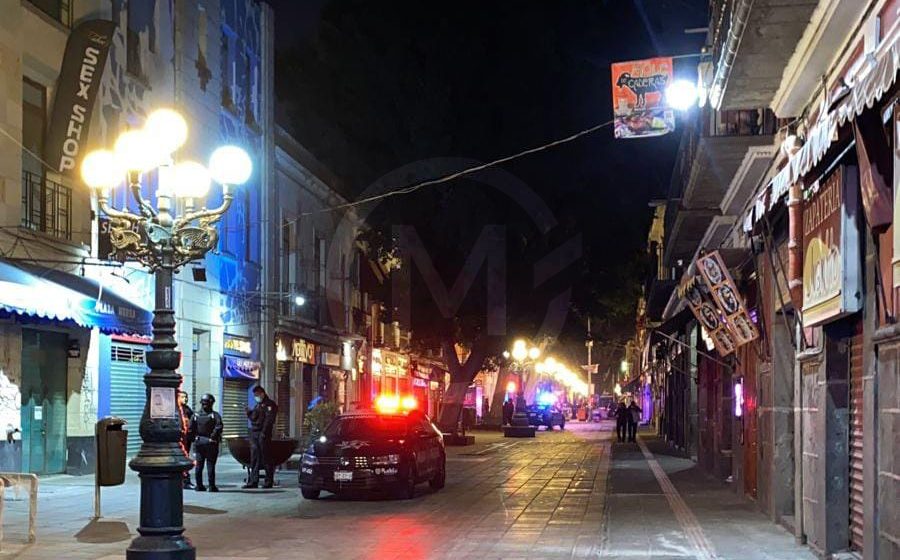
{"x": 206, "y": 426}
{"x": 262, "y": 421}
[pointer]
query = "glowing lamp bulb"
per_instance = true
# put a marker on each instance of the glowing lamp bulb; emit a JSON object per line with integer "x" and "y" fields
{"x": 190, "y": 180}
{"x": 681, "y": 95}
{"x": 299, "y": 301}
{"x": 511, "y": 387}
{"x": 99, "y": 170}
{"x": 230, "y": 165}
{"x": 166, "y": 129}
{"x": 534, "y": 353}
{"x": 135, "y": 152}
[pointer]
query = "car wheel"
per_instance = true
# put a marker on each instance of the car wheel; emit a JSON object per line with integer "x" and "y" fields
{"x": 440, "y": 478}
{"x": 549, "y": 427}
{"x": 562, "y": 425}
{"x": 310, "y": 492}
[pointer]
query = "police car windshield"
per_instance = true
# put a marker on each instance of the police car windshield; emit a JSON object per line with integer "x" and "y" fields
{"x": 375, "y": 426}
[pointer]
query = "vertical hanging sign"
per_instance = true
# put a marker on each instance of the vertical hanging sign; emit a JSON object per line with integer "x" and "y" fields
{"x": 638, "y": 96}
{"x": 831, "y": 260}
{"x": 707, "y": 313}
{"x": 725, "y": 293}
{"x": 76, "y": 92}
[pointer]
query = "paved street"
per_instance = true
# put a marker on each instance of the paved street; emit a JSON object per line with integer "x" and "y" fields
{"x": 569, "y": 494}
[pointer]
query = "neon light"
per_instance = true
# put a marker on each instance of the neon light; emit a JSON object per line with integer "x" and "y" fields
{"x": 738, "y": 398}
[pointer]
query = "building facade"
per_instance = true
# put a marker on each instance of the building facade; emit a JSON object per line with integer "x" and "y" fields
{"x": 800, "y": 418}
{"x": 211, "y": 61}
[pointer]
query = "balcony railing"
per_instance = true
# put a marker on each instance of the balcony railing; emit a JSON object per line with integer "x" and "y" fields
{"x": 46, "y": 206}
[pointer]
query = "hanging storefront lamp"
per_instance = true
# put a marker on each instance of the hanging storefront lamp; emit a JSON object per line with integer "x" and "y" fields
{"x": 163, "y": 241}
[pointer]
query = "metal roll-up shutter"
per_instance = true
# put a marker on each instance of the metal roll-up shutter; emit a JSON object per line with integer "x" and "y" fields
{"x": 856, "y": 440}
{"x": 234, "y": 403}
{"x": 128, "y": 393}
{"x": 283, "y": 400}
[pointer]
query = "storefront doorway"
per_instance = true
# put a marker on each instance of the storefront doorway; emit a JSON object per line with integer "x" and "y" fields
{"x": 44, "y": 361}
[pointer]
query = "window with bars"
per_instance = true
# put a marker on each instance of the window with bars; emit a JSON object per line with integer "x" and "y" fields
{"x": 46, "y": 206}
{"x": 121, "y": 353}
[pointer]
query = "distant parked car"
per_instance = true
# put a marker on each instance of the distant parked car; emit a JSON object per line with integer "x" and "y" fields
{"x": 546, "y": 415}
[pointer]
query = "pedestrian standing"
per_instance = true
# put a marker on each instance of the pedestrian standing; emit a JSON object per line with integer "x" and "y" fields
{"x": 186, "y": 437}
{"x": 508, "y": 409}
{"x": 634, "y": 417}
{"x": 622, "y": 416}
{"x": 207, "y": 426}
{"x": 262, "y": 421}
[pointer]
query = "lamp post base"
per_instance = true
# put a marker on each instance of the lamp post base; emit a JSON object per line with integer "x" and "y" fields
{"x": 161, "y": 531}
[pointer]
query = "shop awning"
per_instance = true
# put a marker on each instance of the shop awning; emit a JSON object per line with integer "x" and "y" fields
{"x": 35, "y": 291}
{"x": 876, "y": 77}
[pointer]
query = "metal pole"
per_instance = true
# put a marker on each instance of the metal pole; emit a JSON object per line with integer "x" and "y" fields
{"x": 162, "y": 461}
{"x": 96, "y": 472}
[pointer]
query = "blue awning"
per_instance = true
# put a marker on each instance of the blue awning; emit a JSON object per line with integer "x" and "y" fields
{"x": 35, "y": 291}
{"x": 239, "y": 368}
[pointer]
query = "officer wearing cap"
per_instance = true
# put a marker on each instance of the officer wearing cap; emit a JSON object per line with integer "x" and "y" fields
{"x": 206, "y": 426}
{"x": 262, "y": 421}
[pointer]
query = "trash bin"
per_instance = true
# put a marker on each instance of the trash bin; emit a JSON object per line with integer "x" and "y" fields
{"x": 112, "y": 442}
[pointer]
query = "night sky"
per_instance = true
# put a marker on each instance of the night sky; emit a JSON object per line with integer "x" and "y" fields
{"x": 369, "y": 87}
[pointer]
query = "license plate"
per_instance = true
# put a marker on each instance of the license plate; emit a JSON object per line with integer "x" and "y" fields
{"x": 343, "y": 476}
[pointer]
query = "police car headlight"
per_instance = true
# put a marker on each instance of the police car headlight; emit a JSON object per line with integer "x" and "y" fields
{"x": 309, "y": 459}
{"x": 392, "y": 459}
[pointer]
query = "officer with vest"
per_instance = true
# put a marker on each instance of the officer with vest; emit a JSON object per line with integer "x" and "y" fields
{"x": 262, "y": 422}
{"x": 206, "y": 427}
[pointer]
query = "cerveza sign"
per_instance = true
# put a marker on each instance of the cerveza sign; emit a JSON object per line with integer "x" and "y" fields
{"x": 831, "y": 267}
{"x": 76, "y": 92}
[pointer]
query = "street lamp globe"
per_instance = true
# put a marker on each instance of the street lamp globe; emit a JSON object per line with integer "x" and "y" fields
{"x": 136, "y": 152}
{"x": 519, "y": 353}
{"x": 190, "y": 180}
{"x": 230, "y": 165}
{"x": 681, "y": 95}
{"x": 99, "y": 170}
{"x": 166, "y": 129}
{"x": 506, "y": 354}
{"x": 299, "y": 301}
{"x": 534, "y": 353}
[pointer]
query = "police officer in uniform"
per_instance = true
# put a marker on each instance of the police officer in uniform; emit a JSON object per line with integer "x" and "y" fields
{"x": 206, "y": 427}
{"x": 262, "y": 420}
{"x": 187, "y": 438}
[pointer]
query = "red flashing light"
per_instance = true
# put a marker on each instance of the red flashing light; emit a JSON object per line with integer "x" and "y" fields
{"x": 391, "y": 404}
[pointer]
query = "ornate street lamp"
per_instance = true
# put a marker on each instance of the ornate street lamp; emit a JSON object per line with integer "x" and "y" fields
{"x": 163, "y": 242}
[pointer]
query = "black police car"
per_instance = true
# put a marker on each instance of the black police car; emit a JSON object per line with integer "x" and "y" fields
{"x": 546, "y": 415}
{"x": 365, "y": 451}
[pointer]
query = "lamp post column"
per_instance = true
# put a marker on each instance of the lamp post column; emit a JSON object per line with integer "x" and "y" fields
{"x": 162, "y": 461}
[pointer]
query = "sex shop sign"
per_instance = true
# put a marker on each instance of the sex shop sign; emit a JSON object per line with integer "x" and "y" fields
{"x": 832, "y": 282}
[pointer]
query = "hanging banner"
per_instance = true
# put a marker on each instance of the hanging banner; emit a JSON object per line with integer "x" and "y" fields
{"x": 874, "y": 154}
{"x": 76, "y": 92}
{"x": 705, "y": 310}
{"x": 895, "y": 262}
{"x": 832, "y": 284}
{"x": 638, "y": 95}
{"x": 724, "y": 292}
